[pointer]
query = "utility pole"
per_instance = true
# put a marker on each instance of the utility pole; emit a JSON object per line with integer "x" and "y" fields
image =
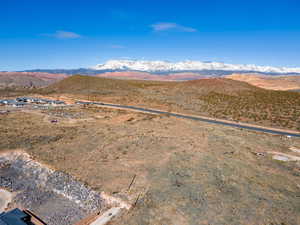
{"x": 88, "y": 87}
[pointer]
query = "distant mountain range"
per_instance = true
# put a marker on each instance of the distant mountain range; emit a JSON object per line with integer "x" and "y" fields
{"x": 161, "y": 71}
{"x": 83, "y": 71}
{"x": 164, "y": 67}
{"x": 191, "y": 66}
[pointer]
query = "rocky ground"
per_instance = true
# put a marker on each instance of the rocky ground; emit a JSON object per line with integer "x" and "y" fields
{"x": 172, "y": 171}
{"x": 57, "y": 198}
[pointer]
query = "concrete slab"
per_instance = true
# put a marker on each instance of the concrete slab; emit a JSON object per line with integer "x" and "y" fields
{"x": 107, "y": 216}
{"x": 284, "y": 157}
{"x": 281, "y": 158}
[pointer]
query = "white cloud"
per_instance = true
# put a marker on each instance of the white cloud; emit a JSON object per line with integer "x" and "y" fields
{"x": 171, "y": 26}
{"x": 61, "y": 34}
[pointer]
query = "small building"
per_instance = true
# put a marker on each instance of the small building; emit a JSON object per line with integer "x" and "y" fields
{"x": 6, "y": 101}
{"x": 19, "y": 104}
{"x": 56, "y": 102}
{"x": 22, "y": 99}
{"x": 19, "y": 217}
{"x": 83, "y": 103}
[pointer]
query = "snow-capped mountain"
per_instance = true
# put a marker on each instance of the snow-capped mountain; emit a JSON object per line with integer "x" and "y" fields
{"x": 164, "y": 66}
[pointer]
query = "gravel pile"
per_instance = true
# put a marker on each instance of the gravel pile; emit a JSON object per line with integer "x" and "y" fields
{"x": 54, "y": 196}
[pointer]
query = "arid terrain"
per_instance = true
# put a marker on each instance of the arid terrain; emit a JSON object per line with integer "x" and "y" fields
{"x": 172, "y": 171}
{"x": 281, "y": 83}
{"x": 136, "y": 112}
{"x": 28, "y": 79}
{"x": 216, "y": 97}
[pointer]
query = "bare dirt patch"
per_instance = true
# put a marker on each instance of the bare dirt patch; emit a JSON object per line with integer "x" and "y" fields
{"x": 185, "y": 172}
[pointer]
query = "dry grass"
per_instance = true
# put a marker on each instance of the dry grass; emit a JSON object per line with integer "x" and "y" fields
{"x": 186, "y": 172}
{"x": 216, "y": 97}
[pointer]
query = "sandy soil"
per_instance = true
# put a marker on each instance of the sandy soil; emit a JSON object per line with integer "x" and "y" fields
{"x": 180, "y": 171}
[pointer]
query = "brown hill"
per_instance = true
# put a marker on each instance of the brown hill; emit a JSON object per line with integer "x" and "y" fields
{"x": 217, "y": 85}
{"x": 217, "y": 97}
{"x": 27, "y": 79}
{"x": 84, "y": 84}
{"x": 79, "y": 84}
{"x": 269, "y": 82}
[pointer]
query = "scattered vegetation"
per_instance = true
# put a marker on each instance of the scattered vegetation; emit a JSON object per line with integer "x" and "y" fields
{"x": 276, "y": 108}
{"x": 216, "y": 97}
{"x": 184, "y": 170}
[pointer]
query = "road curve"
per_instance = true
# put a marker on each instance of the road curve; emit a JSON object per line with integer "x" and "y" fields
{"x": 197, "y": 118}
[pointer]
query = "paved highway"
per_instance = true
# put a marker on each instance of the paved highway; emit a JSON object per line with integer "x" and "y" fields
{"x": 178, "y": 115}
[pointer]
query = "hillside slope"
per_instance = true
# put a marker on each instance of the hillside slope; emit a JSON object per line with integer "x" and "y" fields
{"x": 216, "y": 97}
{"x": 269, "y": 82}
{"x": 83, "y": 84}
{"x": 28, "y": 79}
{"x": 88, "y": 84}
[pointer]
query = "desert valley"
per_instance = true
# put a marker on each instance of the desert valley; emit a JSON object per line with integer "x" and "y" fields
{"x": 143, "y": 167}
{"x": 135, "y": 112}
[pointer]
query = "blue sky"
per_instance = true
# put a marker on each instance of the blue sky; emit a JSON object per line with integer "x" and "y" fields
{"x": 83, "y": 33}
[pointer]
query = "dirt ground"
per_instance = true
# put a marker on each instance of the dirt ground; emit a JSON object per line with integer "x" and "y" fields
{"x": 173, "y": 171}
